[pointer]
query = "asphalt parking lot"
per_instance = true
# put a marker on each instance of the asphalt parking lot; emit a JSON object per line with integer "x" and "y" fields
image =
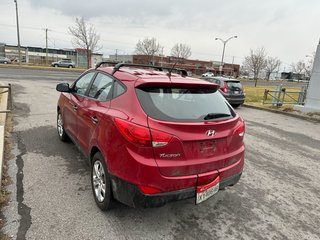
{"x": 276, "y": 198}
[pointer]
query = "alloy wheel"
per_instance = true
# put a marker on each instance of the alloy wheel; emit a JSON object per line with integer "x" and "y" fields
{"x": 99, "y": 181}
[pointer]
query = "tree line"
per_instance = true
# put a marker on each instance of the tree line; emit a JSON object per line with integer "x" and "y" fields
{"x": 258, "y": 60}
{"x": 85, "y": 36}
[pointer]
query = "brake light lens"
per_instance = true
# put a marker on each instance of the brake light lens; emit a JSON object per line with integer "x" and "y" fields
{"x": 133, "y": 132}
{"x": 241, "y": 128}
{"x": 149, "y": 190}
{"x": 224, "y": 88}
{"x": 142, "y": 136}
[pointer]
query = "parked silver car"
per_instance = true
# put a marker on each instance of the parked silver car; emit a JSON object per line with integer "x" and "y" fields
{"x": 5, "y": 60}
{"x": 64, "y": 63}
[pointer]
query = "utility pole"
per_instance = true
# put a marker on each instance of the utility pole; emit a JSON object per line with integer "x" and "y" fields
{"x": 46, "y": 46}
{"x": 116, "y": 54}
{"x": 161, "y": 56}
{"x": 18, "y": 34}
{"x": 232, "y": 66}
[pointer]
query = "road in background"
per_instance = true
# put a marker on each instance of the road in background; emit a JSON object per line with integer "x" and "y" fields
{"x": 276, "y": 198}
{"x": 61, "y": 75}
{"x": 35, "y": 74}
{"x": 273, "y": 83}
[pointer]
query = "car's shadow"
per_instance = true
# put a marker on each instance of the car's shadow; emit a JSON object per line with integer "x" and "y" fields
{"x": 180, "y": 220}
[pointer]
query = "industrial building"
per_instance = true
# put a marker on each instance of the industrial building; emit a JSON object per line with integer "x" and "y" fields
{"x": 195, "y": 66}
{"x": 43, "y": 56}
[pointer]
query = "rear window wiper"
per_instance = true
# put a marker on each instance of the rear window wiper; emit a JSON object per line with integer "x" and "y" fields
{"x": 216, "y": 115}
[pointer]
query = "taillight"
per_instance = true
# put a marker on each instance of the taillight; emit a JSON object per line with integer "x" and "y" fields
{"x": 241, "y": 128}
{"x": 149, "y": 190}
{"x": 133, "y": 132}
{"x": 142, "y": 135}
{"x": 224, "y": 88}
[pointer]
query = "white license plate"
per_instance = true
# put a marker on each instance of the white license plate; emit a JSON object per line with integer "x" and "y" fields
{"x": 236, "y": 92}
{"x": 207, "y": 191}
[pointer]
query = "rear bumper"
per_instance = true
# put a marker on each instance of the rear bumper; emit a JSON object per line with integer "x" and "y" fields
{"x": 130, "y": 195}
{"x": 235, "y": 100}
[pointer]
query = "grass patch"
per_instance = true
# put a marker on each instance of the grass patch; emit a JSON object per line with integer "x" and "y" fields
{"x": 254, "y": 95}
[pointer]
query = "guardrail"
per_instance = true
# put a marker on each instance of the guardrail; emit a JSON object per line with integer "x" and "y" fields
{"x": 10, "y": 97}
{"x": 281, "y": 96}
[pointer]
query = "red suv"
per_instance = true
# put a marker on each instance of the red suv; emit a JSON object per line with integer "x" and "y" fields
{"x": 151, "y": 136}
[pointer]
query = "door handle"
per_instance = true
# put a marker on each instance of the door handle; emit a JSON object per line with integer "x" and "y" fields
{"x": 94, "y": 120}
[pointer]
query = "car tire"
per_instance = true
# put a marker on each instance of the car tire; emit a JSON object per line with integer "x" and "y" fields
{"x": 70, "y": 66}
{"x": 235, "y": 105}
{"x": 55, "y": 65}
{"x": 5, "y": 62}
{"x": 100, "y": 182}
{"x": 60, "y": 128}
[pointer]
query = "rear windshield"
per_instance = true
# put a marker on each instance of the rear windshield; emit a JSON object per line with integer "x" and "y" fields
{"x": 233, "y": 84}
{"x": 184, "y": 104}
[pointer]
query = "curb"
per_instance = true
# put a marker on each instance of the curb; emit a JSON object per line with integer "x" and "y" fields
{"x": 3, "y": 117}
{"x": 307, "y": 118}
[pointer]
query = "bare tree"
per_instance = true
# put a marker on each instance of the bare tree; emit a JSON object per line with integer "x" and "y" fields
{"x": 255, "y": 62}
{"x": 181, "y": 50}
{"x": 85, "y": 36}
{"x": 148, "y": 47}
{"x": 298, "y": 67}
{"x": 272, "y": 63}
{"x": 244, "y": 71}
{"x": 309, "y": 65}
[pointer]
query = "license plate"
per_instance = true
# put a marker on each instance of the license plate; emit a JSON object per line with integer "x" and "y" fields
{"x": 236, "y": 92}
{"x": 206, "y": 191}
{"x": 207, "y": 148}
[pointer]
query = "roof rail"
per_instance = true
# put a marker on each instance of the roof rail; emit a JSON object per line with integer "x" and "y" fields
{"x": 182, "y": 72}
{"x": 106, "y": 62}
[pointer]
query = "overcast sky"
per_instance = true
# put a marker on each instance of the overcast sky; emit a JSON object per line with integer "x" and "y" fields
{"x": 287, "y": 29}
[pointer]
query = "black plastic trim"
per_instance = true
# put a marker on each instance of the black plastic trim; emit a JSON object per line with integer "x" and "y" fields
{"x": 130, "y": 195}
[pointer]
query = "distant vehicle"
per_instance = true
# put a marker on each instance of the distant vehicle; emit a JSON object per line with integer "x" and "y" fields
{"x": 64, "y": 63}
{"x": 189, "y": 74}
{"x": 208, "y": 74}
{"x": 5, "y": 60}
{"x": 230, "y": 88}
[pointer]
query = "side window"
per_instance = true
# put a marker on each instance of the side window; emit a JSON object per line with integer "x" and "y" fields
{"x": 83, "y": 83}
{"x": 101, "y": 87}
{"x": 118, "y": 89}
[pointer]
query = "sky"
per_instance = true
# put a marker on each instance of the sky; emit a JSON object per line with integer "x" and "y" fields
{"x": 287, "y": 29}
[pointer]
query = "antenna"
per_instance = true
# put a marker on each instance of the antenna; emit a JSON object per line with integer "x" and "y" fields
{"x": 170, "y": 71}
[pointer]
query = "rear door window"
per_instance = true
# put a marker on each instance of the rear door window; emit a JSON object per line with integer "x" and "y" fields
{"x": 184, "y": 104}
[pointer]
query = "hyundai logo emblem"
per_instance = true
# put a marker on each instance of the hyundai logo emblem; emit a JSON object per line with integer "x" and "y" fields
{"x": 211, "y": 133}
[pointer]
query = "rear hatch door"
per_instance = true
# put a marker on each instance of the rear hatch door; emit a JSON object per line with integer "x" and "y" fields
{"x": 196, "y": 123}
{"x": 234, "y": 87}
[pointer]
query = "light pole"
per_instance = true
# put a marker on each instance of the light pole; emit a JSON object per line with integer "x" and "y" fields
{"x": 224, "y": 47}
{"x": 18, "y": 34}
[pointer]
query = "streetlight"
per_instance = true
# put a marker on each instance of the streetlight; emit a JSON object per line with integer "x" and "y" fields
{"x": 224, "y": 47}
{"x": 18, "y": 34}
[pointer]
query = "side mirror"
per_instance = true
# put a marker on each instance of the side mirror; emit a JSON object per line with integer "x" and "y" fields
{"x": 63, "y": 87}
